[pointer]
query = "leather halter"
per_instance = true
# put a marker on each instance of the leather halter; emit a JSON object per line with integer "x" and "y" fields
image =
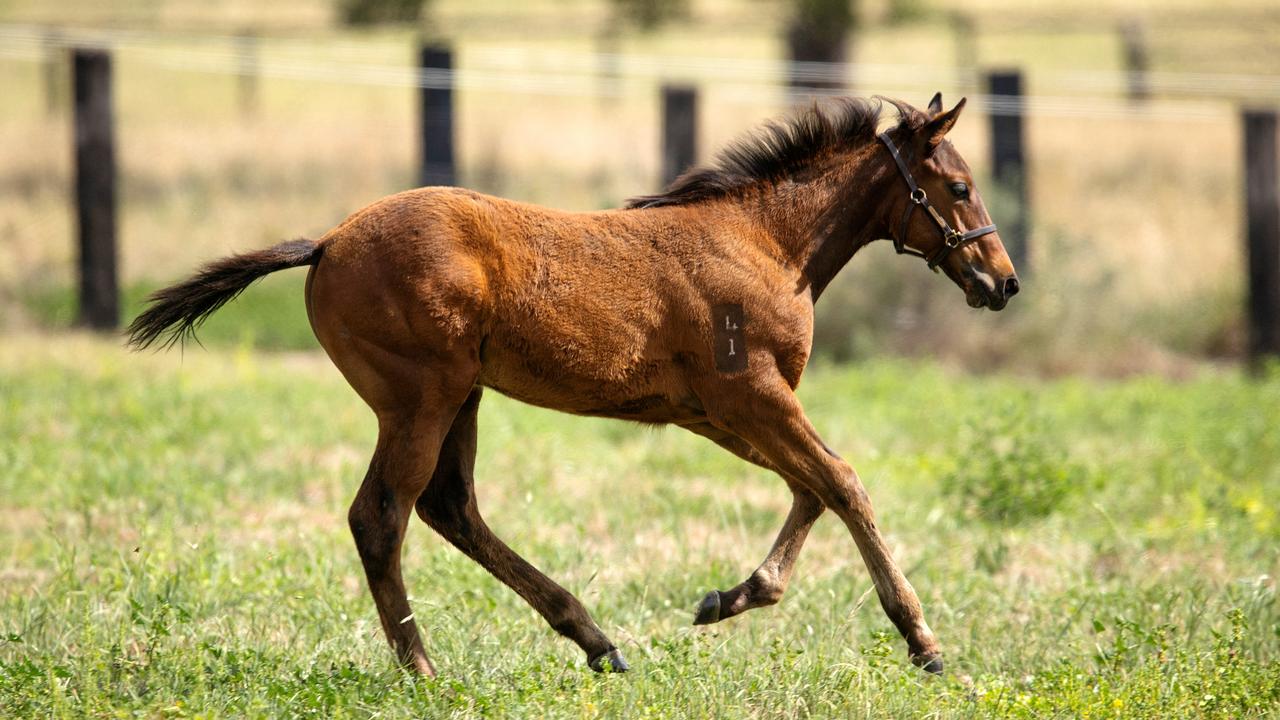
{"x": 951, "y": 238}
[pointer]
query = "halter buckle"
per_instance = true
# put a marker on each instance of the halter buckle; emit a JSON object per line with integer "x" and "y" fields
{"x": 953, "y": 238}
{"x": 918, "y": 196}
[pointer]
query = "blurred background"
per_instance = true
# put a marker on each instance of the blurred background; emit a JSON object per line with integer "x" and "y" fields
{"x": 240, "y": 123}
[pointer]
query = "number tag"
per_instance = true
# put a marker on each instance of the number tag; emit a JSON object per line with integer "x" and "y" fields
{"x": 728, "y": 325}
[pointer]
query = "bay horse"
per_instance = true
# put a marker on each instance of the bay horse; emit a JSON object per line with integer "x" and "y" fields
{"x": 692, "y": 307}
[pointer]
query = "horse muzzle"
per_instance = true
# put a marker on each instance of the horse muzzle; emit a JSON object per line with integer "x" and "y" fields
{"x": 981, "y": 290}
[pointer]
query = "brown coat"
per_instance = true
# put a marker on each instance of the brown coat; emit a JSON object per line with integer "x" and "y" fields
{"x": 693, "y": 307}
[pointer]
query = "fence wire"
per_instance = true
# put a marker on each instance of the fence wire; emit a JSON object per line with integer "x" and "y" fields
{"x": 1075, "y": 93}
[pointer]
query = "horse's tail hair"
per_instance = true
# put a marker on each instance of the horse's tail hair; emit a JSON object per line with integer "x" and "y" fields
{"x": 177, "y": 311}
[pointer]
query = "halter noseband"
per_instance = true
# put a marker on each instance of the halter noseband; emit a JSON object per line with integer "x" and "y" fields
{"x": 951, "y": 238}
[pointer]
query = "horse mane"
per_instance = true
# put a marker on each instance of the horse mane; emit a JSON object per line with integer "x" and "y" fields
{"x": 778, "y": 150}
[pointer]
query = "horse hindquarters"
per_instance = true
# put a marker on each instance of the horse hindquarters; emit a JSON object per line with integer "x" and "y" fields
{"x": 405, "y": 332}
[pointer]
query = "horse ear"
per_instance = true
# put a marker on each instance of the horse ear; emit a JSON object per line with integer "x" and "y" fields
{"x": 909, "y": 116}
{"x": 935, "y": 105}
{"x": 939, "y": 126}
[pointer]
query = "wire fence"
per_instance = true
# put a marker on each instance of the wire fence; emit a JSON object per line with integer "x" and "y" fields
{"x": 523, "y": 70}
{"x": 1110, "y": 201}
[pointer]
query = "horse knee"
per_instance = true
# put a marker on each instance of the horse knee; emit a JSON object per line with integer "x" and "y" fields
{"x": 845, "y": 495}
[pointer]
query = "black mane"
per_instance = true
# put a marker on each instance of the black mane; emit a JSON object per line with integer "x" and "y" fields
{"x": 772, "y": 153}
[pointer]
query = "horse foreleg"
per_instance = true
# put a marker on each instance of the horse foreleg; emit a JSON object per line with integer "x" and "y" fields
{"x": 769, "y": 581}
{"x": 767, "y": 584}
{"x": 772, "y": 421}
{"x": 448, "y": 504}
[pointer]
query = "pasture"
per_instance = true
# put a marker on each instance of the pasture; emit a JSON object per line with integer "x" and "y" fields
{"x": 1084, "y": 489}
{"x": 175, "y": 545}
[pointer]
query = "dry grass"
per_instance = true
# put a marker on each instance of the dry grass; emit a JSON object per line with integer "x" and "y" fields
{"x": 1136, "y": 241}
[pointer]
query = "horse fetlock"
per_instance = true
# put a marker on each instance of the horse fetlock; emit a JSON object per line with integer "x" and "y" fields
{"x": 764, "y": 589}
{"x": 609, "y": 662}
{"x": 418, "y": 663}
{"x": 924, "y": 650}
{"x": 708, "y": 611}
{"x": 930, "y": 663}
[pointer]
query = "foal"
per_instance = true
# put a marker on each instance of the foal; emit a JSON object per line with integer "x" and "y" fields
{"x": 692, "y": 307}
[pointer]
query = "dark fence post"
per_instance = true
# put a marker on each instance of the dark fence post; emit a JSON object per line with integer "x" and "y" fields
{"x": 679, "y": 130}
{"x": 1008, "y": 163}
{"x": 818, "y": 38}
{"x": 96, "y": 189}
{"x": 247, "y": 72}
{"x": 1262, "y": 189}
{"x": 436, "y": 83}
{"x": 1136, "y": 60}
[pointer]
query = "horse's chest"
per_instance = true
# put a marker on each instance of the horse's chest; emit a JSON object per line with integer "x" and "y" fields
{"x": 784, "y": 332}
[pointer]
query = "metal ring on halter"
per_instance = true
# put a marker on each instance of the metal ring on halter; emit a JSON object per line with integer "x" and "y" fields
{"x": 951, "y": 237}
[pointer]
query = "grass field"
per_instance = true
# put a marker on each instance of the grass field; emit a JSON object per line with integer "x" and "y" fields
{"x": 173, "y": 544}
{"x": 173, "y": 538}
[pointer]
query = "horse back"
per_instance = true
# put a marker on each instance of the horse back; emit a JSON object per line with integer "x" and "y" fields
{"x": 607, "y": 313}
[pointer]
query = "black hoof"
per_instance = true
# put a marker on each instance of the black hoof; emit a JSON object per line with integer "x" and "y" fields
{"x": 610, "y": 662}
{"x": 708, "y": 610}
{"x": 929, "y": 663}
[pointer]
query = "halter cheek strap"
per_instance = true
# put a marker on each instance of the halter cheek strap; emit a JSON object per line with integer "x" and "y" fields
{"x": 951, "y": 238}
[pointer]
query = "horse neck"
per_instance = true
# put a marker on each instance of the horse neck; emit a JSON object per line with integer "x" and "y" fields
{"x": 820, "y": 220}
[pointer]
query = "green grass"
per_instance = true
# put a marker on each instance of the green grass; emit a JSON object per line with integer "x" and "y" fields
{"x": 173, "y": 544}
{"x": 270, "y": 316}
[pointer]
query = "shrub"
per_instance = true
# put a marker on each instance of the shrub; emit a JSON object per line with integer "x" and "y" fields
{"x": 1011, "y": 467}
{"x": 379, "y": 12}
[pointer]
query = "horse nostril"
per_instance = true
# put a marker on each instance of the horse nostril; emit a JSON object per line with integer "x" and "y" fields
{"x": 1010, "y": 287}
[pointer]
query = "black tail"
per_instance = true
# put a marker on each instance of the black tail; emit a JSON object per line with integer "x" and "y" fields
{"x": 178, "y": 310}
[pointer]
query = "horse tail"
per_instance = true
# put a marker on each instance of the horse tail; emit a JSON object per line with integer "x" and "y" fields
{"x": 177, "y": 311}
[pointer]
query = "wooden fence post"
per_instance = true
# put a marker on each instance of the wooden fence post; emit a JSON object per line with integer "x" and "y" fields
{"x": 96, "y": 189}
{"x": 1008, "y": 163}
{"x": 818, "y": 38}
{"x": 1136, "y": 61}
{"x": 436, "y": 84}
{"x": 247, "y": 72}
{"x": 1262, "y": 189}
{"x": 679, "y": 130}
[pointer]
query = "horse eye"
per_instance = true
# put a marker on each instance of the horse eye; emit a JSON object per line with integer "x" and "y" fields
{"x": 960, "y": 190}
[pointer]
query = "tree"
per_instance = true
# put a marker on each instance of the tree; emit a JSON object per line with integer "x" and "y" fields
{"x": 818, "y": 32}
{"x": 380, "y": 12}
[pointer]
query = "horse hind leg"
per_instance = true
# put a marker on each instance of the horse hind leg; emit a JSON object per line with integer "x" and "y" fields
{"x": 410, "y": 435}
{"x": 448, "y": 505}
{"x": 378, "y": 518}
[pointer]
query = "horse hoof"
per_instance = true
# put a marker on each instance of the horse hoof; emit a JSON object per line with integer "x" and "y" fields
{"x": 708, "y": 610}
{"x": 610, "y": 662}
{"x": 929, "y": 663}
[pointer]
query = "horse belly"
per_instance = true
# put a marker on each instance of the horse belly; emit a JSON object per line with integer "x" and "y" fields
{"x": 589, "y": 377}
